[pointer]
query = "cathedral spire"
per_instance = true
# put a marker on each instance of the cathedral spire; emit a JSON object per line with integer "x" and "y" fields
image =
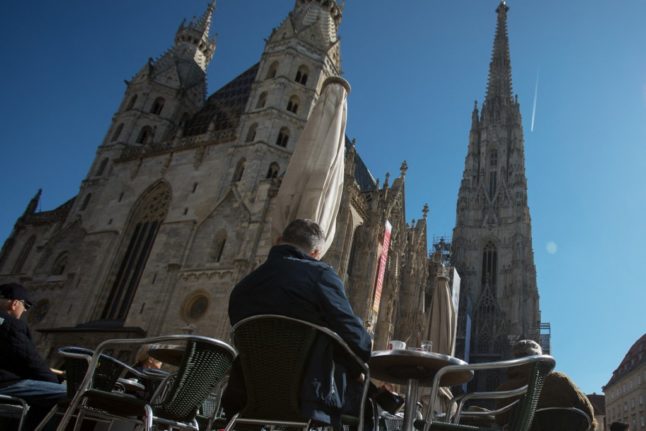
{"x": 192, "y": 39}
{"x": 499, "y": 85}
{"x": 204, "y": 22}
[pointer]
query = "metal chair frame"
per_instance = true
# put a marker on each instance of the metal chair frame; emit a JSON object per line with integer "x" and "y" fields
{"x": 71, "y": 353}
{"x": 320, "y": 330}
{"x": 526, "y": 406}
{"x": 15, "y": 404}
{"x": 149, "y": 416}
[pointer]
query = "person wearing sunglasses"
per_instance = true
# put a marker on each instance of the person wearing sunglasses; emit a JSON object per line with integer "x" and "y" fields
{"x": 23, "y": 371}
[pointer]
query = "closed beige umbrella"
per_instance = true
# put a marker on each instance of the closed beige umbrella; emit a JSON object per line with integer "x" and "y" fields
{"x": 443, "y": 316}
{"x": 313, "y": 182}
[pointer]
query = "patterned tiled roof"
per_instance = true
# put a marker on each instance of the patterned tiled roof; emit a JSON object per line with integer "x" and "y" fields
{"x": 224, "y": 107}
{"x": 635, "y": 357}
{"x": 362, "y": 175}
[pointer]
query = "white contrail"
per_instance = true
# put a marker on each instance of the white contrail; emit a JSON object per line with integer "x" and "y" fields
{"x": 534, "y": 107}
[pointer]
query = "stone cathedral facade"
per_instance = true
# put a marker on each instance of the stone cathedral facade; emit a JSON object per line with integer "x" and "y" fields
{"x": 174, "y": 209}
{"x": 492, "y": 240}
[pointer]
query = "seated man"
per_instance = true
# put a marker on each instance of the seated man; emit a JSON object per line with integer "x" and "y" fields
{"x": 558, "y": 390}
{"x": 293, "y": 282}
{"x": 23, "y": 372}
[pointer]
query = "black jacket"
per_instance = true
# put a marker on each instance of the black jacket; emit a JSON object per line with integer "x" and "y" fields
{"x": 290, "y": 283}
{"x": 19, "y": 359}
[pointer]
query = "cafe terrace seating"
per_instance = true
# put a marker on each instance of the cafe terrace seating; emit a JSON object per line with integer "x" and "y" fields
{"x": 76, "y": 362}
{"x": 273, "y": 352}
{"x": 523, "y": 408}
{"x": 204, "y": 363}
{"x": 13, "y": 409}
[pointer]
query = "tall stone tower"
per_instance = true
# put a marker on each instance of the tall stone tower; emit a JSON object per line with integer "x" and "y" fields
{"x": 492, "y": 239}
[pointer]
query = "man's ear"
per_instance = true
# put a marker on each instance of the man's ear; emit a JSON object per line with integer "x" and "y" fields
{"x": 316, "y": 254}
{"x": 278, "y": 240}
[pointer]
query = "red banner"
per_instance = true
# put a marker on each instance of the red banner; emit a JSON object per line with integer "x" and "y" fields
{"x": 381, "y": 270}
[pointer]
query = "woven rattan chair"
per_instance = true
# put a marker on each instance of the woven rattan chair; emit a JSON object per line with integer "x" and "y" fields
{"x": 13, "y": 409}
{"x": 205, "y": 362}
{"x": 273, "y": 353}
{"x": 76, "y": 362}
{"x": 523, "y": 408}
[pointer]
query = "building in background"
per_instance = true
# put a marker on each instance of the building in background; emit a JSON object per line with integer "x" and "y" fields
{"x": 599, "y": 405}
{"x": 174, "y": 209}
{"x": 626, "y": 390}
{"x": 492, "y": 239}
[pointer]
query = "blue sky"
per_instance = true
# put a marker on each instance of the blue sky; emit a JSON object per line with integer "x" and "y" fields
{"x": 416, "y": 67}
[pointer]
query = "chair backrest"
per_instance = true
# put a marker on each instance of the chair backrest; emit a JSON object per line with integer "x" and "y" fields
{"x": 77, "y": 360}
{"x": 539, "y": 367}
{"x": 523, "y": 414}
{"x": 205, "y": 363}
{"x": 273, "y": 353}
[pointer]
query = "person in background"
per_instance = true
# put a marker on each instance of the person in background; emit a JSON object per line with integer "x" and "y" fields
{"x": 23, "y": 372}
{"x": 143, "y": 359}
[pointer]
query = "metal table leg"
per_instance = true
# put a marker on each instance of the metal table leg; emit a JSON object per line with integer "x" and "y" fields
{"x": 410, "y": 410}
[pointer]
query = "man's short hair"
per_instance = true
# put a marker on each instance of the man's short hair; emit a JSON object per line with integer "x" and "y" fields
{"x": 526, "y": 348}
{"x": 305, "y": 234}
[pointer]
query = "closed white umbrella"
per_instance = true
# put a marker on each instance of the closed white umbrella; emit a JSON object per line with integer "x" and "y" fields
{"x": 443, "y": 316}
{"x": 313, "y": 182}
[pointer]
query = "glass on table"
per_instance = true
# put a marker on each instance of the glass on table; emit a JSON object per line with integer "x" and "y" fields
{"x": 427, "y": 346}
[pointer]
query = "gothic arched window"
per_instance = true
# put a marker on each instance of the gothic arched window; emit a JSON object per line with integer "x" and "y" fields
{"x": 145, "y": 135}
{"x": 145, "y": 220}
{"x": 273, "y": 69}
{"x": 283, "y": 137}
{"x": 493, "y": 158}
{"x": 131, "y": 103}
{"x": 102, "y": 166}
{"x": 58, "y": 268}
{"x": 218, "y": 246}
{"x": 117, "y": 132}
{"x": 158, "y": 105}
{"x": 492, "y": 184}
{"x": 237, "y": 174}
{"x": 251, "y": 133}
{"x": 272, "y": 172}
{"x": 301, "y": 75}
{"x": 262, "y": 100}
{"x": 292, "y": 105}
{"x": 489, "y": 264}
{"x": 24, "y": 254}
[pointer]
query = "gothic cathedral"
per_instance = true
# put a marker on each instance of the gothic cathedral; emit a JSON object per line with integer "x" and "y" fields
{"x": 175, "y": 207}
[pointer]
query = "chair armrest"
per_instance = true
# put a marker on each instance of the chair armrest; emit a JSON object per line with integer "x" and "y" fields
{"x": 546, "y": 359}
{"x": 493, "y": 395}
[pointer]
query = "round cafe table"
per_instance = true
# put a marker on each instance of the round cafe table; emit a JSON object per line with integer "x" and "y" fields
{"x": 414, "y": 368}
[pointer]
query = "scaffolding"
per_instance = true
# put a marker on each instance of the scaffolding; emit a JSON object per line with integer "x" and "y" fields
{"x": 545, "y": 336}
